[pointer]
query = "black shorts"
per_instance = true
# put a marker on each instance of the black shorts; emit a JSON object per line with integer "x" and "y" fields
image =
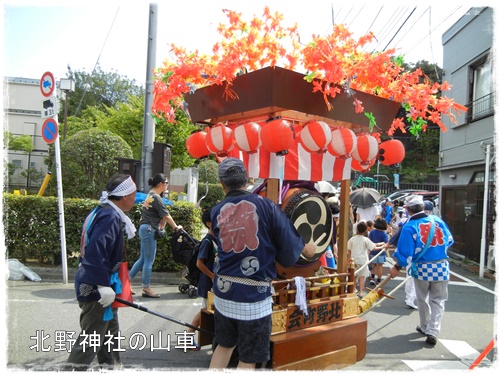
{"x": 253, "y": 337}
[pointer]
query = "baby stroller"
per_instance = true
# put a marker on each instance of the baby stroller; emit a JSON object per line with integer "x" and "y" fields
{"x": 185, "y": 251}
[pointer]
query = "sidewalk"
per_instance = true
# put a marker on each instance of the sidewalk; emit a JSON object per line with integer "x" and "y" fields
{"x": 470, "y": 266}
{"x": 55, "y": 274}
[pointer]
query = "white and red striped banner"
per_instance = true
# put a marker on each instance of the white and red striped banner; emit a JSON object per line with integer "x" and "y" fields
{"x": 298, "y": 164}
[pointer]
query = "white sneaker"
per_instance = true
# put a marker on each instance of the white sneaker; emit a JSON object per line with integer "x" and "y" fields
{"x": 412, "y": 305}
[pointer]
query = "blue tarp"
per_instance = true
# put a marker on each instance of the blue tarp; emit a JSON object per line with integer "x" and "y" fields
{"x": 140, "y": 197}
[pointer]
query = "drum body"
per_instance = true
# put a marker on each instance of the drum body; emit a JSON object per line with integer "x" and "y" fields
{"x": 311, "y": 216}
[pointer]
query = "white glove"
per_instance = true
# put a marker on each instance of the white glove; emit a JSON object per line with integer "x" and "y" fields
{"x": 107, "y": 295}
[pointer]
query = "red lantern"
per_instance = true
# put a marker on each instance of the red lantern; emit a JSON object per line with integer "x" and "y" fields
{"x": 219, "y": 140}
{"x": 391, "y": 152}
{"x": 246, "y": 137}
{"x": 196, "y": 146}
{"x": 315, "y": 136}
{"x": 277, "y": 136}
{"x": 356, "y": 166}
{"x": 366, "y": 149}
{"x": 343, "y": 143}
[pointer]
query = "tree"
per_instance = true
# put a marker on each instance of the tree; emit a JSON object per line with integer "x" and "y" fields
{"x": 176, "y": 133}
{"x": 207, "y": 171}
{"x": 22, "y": 143}
{"x": 88, "y": 159}
{"x": 126, "y": 120}
{"x": 432, "y": 71}
{"x": 421, "y": 140}
{"x": 98, "y": 89}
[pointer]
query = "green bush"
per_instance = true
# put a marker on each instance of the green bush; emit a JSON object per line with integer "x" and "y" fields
{"x": 32, "y": 232}
{"x": 215, "y": 194}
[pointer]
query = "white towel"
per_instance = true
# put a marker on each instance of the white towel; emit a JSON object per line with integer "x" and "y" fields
{"x": 300, "y": 299}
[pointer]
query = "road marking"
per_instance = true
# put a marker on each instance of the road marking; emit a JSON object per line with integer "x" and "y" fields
{"x": 465, "y": 353}
{"x": 435, "y": 365}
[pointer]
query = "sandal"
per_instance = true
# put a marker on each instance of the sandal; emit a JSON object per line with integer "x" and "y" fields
{"x": 147, "y": 294}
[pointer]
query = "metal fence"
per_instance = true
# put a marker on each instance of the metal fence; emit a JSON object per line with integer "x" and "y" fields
{"x": 386, "y": 187}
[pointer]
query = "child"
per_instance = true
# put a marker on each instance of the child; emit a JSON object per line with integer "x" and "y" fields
{"x": 379, "y": 236}
{"x": 369, "y": 227}
{"x": 357, "y": 249}
{"x": 205, "y": 262}
{"x": 398, "y": 218}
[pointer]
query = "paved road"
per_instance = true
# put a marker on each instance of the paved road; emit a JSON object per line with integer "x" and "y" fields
{"x": 41, "y": 315}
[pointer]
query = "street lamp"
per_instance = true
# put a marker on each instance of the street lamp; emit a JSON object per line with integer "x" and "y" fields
{"x": 67, "y": 85}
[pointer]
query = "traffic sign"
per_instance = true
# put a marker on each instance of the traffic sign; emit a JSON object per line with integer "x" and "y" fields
{"x": 49, "y": 107}
{"x": 50, "y": 130}
{"x": 47, "y": 84}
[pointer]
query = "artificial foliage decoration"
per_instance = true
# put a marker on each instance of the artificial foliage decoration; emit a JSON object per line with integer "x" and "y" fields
{"x": 331, "y": 62}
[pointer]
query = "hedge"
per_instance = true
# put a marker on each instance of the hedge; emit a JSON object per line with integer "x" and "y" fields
{"x": 32, "y": 233}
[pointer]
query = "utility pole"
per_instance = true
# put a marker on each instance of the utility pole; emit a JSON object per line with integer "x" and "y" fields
{"x": 148, "y": 130}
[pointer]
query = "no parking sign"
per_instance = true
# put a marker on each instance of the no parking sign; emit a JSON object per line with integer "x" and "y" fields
{"x": 50, "y": 130}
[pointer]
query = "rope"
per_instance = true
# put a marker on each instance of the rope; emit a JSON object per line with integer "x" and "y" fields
{"x": 367, "y": 263}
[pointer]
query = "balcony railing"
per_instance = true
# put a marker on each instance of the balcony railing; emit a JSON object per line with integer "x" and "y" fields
{"x": 481, "y": 107}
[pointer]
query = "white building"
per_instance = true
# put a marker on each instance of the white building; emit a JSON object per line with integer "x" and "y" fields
{"x": 22, "y": 107}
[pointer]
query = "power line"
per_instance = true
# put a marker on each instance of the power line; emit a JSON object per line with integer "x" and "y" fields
{"x": 369, "y": 28}
{"x": 407, "y": 18}
{"x": 85, "y": 87}
{"x": 411, "y": 27}
{"x": 384, "y": 32}
{"x": 433, "y": 30}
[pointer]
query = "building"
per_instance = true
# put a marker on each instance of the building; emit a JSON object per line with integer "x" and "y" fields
{"x": 23, "y": 103}
{"x": 466, "y": 149}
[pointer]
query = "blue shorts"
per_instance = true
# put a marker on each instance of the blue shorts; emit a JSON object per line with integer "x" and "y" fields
{"x": 378, "y": 260}
{"x": 253, "y": 337}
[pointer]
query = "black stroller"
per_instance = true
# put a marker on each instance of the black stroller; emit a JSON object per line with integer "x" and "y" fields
{"x": 185, "y": 251}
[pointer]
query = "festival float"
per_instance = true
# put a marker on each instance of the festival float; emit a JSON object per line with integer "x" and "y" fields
{"x": 293, "y": 129}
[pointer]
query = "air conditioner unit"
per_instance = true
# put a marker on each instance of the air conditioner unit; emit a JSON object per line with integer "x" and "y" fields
{"x": 491, "y": 258}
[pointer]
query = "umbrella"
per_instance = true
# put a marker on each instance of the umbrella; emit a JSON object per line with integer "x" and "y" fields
{"x": 365, "y": 197}
{"x": 324, "y": 187}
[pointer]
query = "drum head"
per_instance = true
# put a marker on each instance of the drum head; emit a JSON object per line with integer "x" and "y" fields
{"x": 312, "y": 217}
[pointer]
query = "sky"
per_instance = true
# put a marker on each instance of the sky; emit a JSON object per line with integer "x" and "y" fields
{"x": 40, "y": 36}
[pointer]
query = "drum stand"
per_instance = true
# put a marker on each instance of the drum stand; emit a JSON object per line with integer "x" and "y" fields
{"x": 330, "y": 336}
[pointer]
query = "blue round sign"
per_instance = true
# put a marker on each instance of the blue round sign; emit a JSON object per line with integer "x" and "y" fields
{"x": 50, "y": 130}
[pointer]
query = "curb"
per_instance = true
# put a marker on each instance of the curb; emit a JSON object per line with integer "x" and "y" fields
{"x": 55, "y": 275}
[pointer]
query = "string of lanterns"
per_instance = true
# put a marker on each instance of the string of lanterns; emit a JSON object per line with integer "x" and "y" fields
{"x": 277, "y": 135}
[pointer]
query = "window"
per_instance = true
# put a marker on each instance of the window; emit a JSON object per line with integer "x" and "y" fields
{"x": 17, "y": 163}
{"x": 482, "y": 96}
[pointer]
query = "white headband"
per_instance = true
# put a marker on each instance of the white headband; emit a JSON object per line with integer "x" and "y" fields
{"x": 125, "y": 188}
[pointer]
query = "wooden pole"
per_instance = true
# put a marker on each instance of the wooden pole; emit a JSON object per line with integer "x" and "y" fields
{"x": 345, "y": 209}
